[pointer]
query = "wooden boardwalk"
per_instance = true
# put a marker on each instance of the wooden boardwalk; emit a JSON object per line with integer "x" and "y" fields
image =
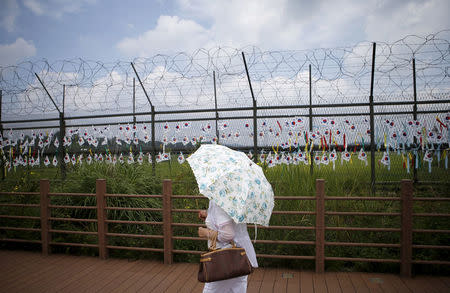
{"x": 22, "y": 271}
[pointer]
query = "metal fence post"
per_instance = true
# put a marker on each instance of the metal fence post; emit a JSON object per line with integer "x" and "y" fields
{"x": 372, "y": 125}
{"x": 62, "y": 126}
{"x": 64, "y": 98}
{"x": 62, "y": 134}
{"x": 215, "y": 104}
{"x": 134, "y": 109}
{"x": 255, "y": 133}
{"x": 167, "y": 220}
{"x": 153, "y": 142}
{"x": 311, "y": 167}
{"x": 320, "y": 225}
{"x": 153, "y": 119}
{"x": 414, "y": 115}
{"x": 255, "y": 119}
{"x": 45, "y": 215}
{"x": 102, "y": 227}
{"x": 1, "y": 133}
{"x": 406, "y": 234}
{"x": 134, "y": 101}
{"x": 1, "y": 102}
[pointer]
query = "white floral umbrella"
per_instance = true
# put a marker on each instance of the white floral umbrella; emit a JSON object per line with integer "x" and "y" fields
{"x": 234, "y": 182}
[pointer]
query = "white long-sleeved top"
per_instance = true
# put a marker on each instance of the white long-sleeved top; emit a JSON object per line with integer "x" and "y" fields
{"x": 228, "y": 230}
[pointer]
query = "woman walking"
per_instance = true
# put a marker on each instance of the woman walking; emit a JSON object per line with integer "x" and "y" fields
{"x": 221, "y": 226}
{"x": 238, "y": 193}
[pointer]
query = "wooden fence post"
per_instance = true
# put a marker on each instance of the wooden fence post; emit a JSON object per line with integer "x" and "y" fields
{"x": 45, "y": 215}
{"x": 320, "y": 225}
{"x": 406, "y": 235}
{"x": 167, "y": 219}
{"x": 102, "y": 227}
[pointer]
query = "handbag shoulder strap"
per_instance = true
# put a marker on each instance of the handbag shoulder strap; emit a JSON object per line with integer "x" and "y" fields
{"x": 214, "y": 242}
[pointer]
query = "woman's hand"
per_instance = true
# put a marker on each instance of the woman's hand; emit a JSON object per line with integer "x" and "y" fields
{"x": 202, "y": 215}
{"x": 203, "y": 232}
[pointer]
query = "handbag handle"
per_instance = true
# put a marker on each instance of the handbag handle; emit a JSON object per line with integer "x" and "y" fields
{"x": 214, "y": 242}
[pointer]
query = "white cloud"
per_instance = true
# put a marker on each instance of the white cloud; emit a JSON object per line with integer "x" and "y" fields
{"x": 286, "y": 24}
{"x": 17, "y": 51}
{"x": 8, "y": 13}
{"x": 387, "y": 23}
{"x": 34, "y": 6}
{"x": 56, "y": 8}
{"x": 171, "y": 34}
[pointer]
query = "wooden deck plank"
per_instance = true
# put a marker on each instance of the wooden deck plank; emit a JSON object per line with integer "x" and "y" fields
{"x": 36, "y": 272}
{"x": 280, "y": 282}
{"x": 358, "y": 283}
{"x": 445, "y": 280}
{"x": 13, "y": 269}
{"x": 59, "y": 274}
{"x": 257, "y": 275}
{"x": 268, "y": 283}
{"x": 71, "y": 284}
{"x": 186, "y": 281}
{"x": 143, "y": 278}
{"x": 435, "y": 286}
{"x": 293, "y": 284}
{"x": 177, "y": 273}
{"x": 397, "y": 283}
{"x": 108, "y": 281}
{"x": 306, "y": 282}
{"x": 440, "y": 285}
{"x": 417, "y": 285}
{"x": 192, "y": 282}
{"x": 101, "y": 269}
{"x": 320, "y": 285}
{"x": 198, "y": 288}
{"x": 10, "y": 259}
{"x": 372, "y": 282}
{"x": 74, "y": 276}
{"x": 253, "y": 286}
{"x": 344, "y": 282}
{"x": 154, "y": 281}
{"x": 332, "y": 283}
{"x": 280, "y": 286}
{"x": 106, "y": 276}
{"x": 254, "y": 281}
{"x": 30, "y": 272}
{"x": 267, "y": 287}
{"x": 141, "y": 270}
{"x": 386, "y": 285}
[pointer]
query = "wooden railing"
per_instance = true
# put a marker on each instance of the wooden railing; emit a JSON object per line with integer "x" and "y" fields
{"x": 406, "y": 230}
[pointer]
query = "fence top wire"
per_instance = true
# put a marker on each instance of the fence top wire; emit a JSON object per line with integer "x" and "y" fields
{"x": 185, "y": 80}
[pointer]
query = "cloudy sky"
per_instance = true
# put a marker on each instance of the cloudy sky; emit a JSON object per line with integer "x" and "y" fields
{"x": 122, "y": 30}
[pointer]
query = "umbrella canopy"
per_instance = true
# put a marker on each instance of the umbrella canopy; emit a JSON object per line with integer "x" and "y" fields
{"x": 234, "y": 183}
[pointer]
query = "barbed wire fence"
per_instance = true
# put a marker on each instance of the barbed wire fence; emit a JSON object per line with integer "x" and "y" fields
{"x": 410, "y": 81}
{"x": 278, "y": 77}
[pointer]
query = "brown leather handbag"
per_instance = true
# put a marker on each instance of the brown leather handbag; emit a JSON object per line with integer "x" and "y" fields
{"x": 224, "y": 263}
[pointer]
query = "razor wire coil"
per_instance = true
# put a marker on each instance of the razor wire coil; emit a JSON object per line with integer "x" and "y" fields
{"x": 279, "y": 77}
